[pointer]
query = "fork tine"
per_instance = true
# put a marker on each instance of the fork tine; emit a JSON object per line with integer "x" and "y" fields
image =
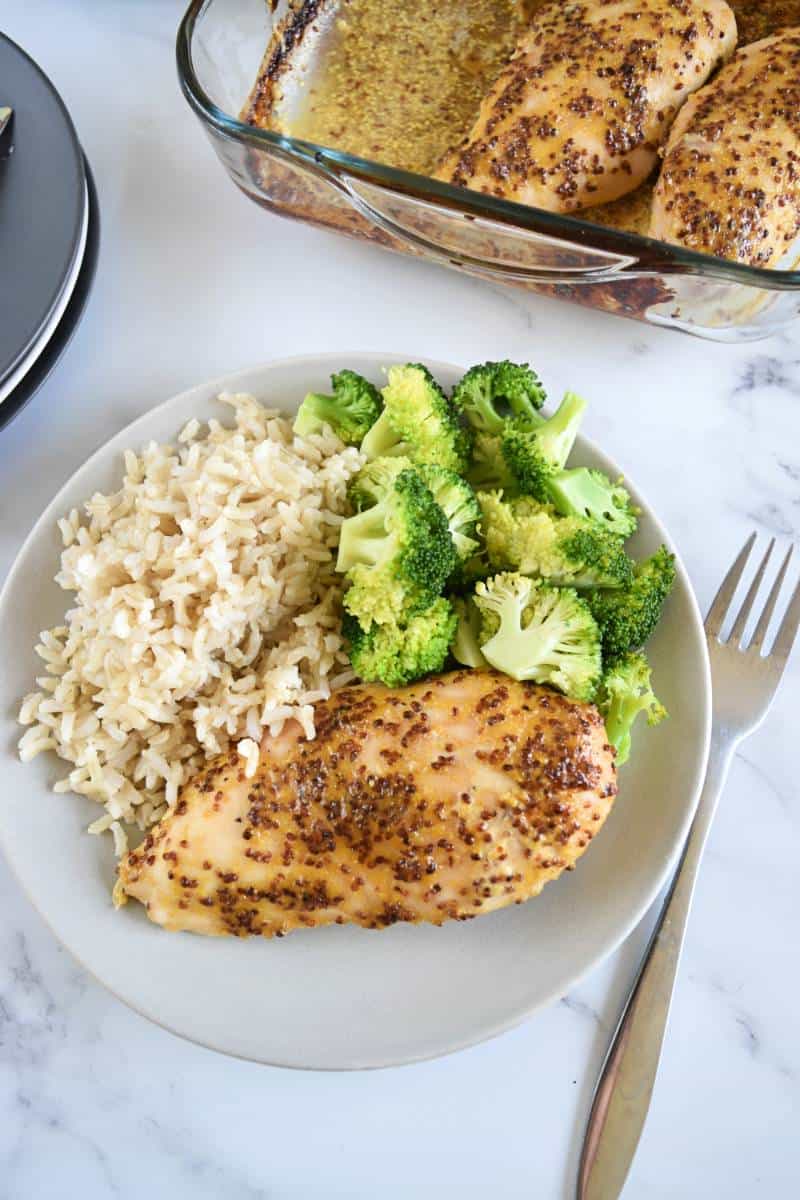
{"x": 787, "y": 630}
{"x": 744, "y": 612}
{"x": 721, "y": 602}
{"x": 760, "y": 633}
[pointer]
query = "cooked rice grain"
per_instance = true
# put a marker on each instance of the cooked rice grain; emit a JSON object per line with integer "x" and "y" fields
{"x": 206, "y": 609}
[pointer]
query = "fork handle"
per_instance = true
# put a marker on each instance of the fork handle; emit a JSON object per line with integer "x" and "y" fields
{"x": 622, "y": 1096}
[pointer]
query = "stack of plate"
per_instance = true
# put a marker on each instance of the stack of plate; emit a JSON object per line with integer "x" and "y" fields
{"x": 49, "y": 230}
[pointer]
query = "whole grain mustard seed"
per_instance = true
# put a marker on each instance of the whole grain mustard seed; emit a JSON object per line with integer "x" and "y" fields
{"x": 397, "y": 83}
{"x": 341, "y": 88}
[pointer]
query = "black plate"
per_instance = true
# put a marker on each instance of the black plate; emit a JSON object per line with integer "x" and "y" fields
{"x": 42, "y": 204}
{"x": 27, "y": 388}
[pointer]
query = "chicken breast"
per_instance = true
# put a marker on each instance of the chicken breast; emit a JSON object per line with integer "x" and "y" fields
{"x": 445, "y": 799}
{"x": 730, "y": 184}
{"x": 578, "y": 115}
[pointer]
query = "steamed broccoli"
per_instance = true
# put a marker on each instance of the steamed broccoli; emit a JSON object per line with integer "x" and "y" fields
{"x": 418, "y": 421}
{"x": 489, "y": 393}
{"x": 351, "y": 411}
{"x": 625, "y": 691}
{"x": 459, "y": 504}
{"x": 397, "y": 654}
{"x": 628, "y": 617}
{"x": 489, "y": 470}
{"x": 466, "y": 647}
{"x": 397, "y": 554}
{"x": 583, "y": 492}
{"x": 370, "y": 485}
{"x": 526, "y": 536}
{"x": 534, "y": 455}
{"x": 530, "y": 630}
{"x": 453, "y": 494}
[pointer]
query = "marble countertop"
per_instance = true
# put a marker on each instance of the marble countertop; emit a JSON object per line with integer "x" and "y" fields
{"x": 194, "y": 281}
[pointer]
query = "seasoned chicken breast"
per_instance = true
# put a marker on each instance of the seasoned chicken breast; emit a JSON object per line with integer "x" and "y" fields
{"x": 448, "y": 798}
{"x": 578, "y": 115}
{"x": 730, "y": 184}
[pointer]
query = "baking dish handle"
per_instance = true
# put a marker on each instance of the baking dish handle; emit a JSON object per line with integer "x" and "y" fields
{"x": 480, "y": 245}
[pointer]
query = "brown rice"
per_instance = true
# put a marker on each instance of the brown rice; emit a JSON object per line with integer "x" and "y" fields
{"x": 206, "y": 609}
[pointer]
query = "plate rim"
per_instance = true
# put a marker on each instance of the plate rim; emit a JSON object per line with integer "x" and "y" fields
{"x": 17, "y": 374}
{"x": 78, "y": 243}
{"x": 227, "y": 383}
{"x": 65, "y": 329}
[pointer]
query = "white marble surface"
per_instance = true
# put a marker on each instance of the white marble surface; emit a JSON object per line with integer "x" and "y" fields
{"x": 195, "y": 281}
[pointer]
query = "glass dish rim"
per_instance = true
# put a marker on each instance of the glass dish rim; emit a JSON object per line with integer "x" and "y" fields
{"x": 651, "y": 256}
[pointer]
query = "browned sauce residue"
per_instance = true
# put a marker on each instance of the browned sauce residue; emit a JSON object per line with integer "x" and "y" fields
{"x": 385, "y": 81}
{"x": 401, "y": 83}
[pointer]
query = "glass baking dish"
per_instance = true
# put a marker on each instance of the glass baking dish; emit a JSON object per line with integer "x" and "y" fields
{"x": 220, "y": 47}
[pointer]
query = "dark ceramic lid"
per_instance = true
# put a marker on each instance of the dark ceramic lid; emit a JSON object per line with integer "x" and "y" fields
{"x": 27, "y": 388}
{"x": 42, "y": 204}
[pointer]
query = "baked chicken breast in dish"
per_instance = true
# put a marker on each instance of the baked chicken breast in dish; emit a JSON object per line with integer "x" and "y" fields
{"x": 446, "y": 799}
{"x": 579, "y": 114}
{"x": 730, "y": 183}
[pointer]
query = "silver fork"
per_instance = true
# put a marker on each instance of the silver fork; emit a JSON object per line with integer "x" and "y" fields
{"x": 745, "y": 679}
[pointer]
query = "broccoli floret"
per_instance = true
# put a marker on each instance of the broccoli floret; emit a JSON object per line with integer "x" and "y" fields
{"x": 418, "y": 421}
{"x": 489, "y": 470}
{"x": 593, "y": 558}
{"x": 466, "y": 647}
{"x": 625, "y": 691}
{"x": 493, "y": 391}
{"x": 628, "y": 617}
{"x": 533, "y": 456}
{"x": 523, "y": 535}
{"x": 351, "y": 411}
{"x": 453, "y": 494}
{"x": 582, "y": 492}
{"x": 397, "y": 554}
{"x": 459, "y": 504}
{"x": 530, "y": 630}
{"x": 369, "y": 486}
{"x": 397, "y": 654}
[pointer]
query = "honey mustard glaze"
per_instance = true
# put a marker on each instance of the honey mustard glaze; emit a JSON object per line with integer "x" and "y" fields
{"x": 385, "y": 81}
{"x": 400, "y": 83}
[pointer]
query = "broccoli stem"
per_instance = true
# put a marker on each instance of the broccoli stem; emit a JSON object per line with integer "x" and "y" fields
{"x": 382, "y": 441}
{"x": 466, "y": 648}
{"x": 582, "y": 492}
{"x": 316, "y": 410}
{"x": 364, "y": 538}
{"x": 556, "y": 436}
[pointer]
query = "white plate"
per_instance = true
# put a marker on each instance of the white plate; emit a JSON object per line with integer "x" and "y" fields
{"x": 342, "y": 997}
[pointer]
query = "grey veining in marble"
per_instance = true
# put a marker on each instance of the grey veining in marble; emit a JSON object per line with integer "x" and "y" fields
{"x": 195, "y": 281}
